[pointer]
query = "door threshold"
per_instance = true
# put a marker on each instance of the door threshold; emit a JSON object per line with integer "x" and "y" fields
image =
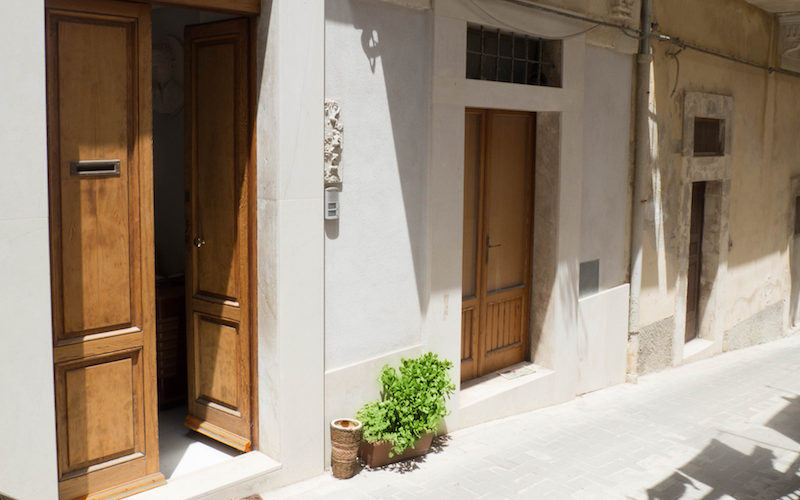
{"x": 697, "y": 349}
{"x": 228, "y": 479}
{"x": 494, "y": 383}
{"x": 493, "y": 396}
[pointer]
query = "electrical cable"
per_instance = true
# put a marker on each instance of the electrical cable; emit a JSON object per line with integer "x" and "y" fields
{"x": 570, "y": 15}
{"x": 517, "y": 29}
{"x": 674, "y": 55}
{"x": 637, "y": 34}
{"x": 684, "y": 45}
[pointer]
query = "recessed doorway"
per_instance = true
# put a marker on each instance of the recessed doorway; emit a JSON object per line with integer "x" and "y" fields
{"x": 182, "y": 213}
{"x": 498, "y": 240}
{"x": 151, "y": 298}
{"x": 695, "y": 270}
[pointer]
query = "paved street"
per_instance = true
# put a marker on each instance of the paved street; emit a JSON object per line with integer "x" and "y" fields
{"x": 728, "y": 427}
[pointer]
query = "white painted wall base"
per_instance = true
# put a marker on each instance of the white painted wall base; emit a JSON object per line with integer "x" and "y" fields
{"x": 602, "y": 339}
{"x": 349, "y": 387}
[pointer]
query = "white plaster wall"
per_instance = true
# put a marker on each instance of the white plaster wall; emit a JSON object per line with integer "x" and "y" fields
{"x": 291, "y": 359}
{"x": 377, "y": 64}
{"x": 452, "y": 94}
{"x": 27, "y": 413}
{"x": 605, "y": 192}
{"x": 602, "y": 339}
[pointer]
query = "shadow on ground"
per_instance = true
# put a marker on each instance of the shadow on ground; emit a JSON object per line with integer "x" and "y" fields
{"x": 721, "y": 470}
{"x": 438, "y": 445}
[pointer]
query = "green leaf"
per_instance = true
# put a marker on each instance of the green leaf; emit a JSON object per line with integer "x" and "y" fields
{"x": 412, "y": 402}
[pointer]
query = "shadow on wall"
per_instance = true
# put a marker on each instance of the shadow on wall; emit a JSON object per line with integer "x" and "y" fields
{"x": 387, "y": 48}
{"x": 660, "y": 231}
{"x": 760, "y": 187}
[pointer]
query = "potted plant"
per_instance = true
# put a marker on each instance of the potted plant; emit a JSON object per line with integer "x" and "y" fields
{"x": 402, "y": 423}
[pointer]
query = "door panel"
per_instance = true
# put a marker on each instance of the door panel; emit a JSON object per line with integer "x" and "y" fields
{"x": 507, "y": 172}
{"x": 98, "y": 82}
{"x": 94, "y": 100}
{"x": 217, "y": 352}
{"x": 499, "y": 144}
{"x": 104, "y": 393}
{"x": 217, "y": 166}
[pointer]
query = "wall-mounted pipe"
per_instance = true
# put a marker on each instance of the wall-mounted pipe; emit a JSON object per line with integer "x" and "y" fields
{"x": 641, "y": 172}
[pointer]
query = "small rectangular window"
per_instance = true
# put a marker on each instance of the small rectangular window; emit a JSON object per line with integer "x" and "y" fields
{"x": 502, "y": 56}
{"x": 709, "y": 137}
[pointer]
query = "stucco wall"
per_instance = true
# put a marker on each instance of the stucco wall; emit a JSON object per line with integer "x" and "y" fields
{"x": 605, "y": 192}
{"x": 27, "y": 414}
{"x": 763, "y": 157}
{"x": 378, "y": 59}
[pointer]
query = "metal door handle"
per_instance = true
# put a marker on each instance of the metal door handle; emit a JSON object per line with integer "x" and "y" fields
{"x": 198, "y": 242}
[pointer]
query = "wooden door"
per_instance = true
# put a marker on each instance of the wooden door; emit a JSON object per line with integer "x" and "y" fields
{"x": 794, "y": 265}
{"x": 218, "y": 257}
{"x": 695, "y": 260}
{"x": 498, "y": 233}
{"x": 101, "y": 241}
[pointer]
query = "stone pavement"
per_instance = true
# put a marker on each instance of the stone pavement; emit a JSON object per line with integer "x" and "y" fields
{"x": 727, "y": 427}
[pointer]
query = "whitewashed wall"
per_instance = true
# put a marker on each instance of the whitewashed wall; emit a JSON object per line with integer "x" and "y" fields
{"x": 605, "y": 208}
{"x": 290, "y": 91}
{"x": 393, "y": 261}
{"x": 377, "y": 65}
{"x": 27, "y": 413}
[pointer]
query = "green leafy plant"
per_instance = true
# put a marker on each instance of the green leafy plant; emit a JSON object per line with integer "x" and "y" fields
{"x": 412, "y": 402}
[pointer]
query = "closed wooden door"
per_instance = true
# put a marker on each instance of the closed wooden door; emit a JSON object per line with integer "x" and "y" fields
{"x": 498, "y": 233}
{"x": 218, "y": 257}
{"x": 695, "y": 260}
{"x": 101, "y": 234}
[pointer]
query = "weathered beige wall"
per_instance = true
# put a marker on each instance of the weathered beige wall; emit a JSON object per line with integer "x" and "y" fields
{"x": 765, "y": 153}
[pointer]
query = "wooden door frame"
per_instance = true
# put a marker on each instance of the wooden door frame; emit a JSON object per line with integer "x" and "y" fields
{"x": 252, "y": 226}
{"x": 481, "y": 277}
{"x": 246, "y": 9}
{"x": 240, "y": 7}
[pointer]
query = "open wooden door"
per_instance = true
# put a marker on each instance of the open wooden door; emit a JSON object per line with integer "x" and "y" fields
{"x": 498, "y": 235}
{"x": 218, "y": 257}
{"x": 101, "y": 233}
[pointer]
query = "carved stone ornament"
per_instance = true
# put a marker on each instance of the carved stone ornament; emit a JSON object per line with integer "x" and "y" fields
{"x": 333, "y": 142}
{"x": 622, "y": 9}
{"x": 790, "y": 42}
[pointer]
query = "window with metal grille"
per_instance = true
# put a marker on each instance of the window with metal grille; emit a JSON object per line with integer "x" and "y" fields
{"x": 502, "y": 56}
{"x": 709, "y": 137}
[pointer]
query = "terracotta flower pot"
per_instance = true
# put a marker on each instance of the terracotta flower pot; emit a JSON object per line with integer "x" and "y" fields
{"x": 345, "y": 438}
{"x": 377, "y": 454}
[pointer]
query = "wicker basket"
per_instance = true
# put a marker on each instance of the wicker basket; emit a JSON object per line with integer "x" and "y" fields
{"x": 345, "y": 440}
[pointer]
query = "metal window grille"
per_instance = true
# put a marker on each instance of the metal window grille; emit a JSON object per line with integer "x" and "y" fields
{"x": 502, "y": 56}
{"x": 709, "y": 137}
